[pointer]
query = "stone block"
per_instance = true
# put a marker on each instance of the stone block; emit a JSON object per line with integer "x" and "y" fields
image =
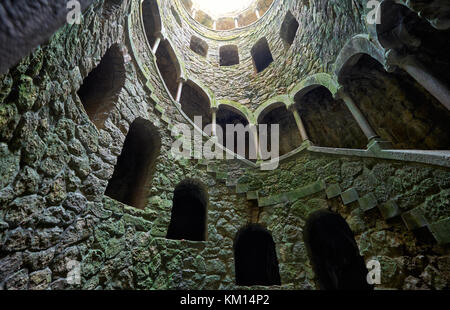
{"x": 368, "y": 202}
{"x": 306, "y": 191}
{"x": 414, "y": 219}
{"x": 389, "y": 210}
{"x": 253, "y": 195}
{"x": 241, "y": 188}
{"x": 441, "y": 231}
{"x": 333, "y": 191}
{"x": 349, "y": 196}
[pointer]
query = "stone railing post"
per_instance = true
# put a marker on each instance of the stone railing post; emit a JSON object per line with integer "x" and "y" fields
{"x": 357, "y": 114}
{"x": 299, "y": 122}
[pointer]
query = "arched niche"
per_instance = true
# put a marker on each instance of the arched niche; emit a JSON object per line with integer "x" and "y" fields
{"x": 195, "y": 102}
{"x": 334, "y": 253}
{"x": 100, "y": 89}
{"x": 396, "y": 106}
{"x": 168, "y": 66}
{"x": 136, "y": 165}
{"x": 261, "y": 54}
{"x": 255, "y": 257}
{"x": 328, "y": 122}
{"x": 229, "y": 55}
{"x": 199, "y": 46}
{"x": 152, "y": 20}
{"x": 189, "y": 212}
{"x": 228, "y": 115}
{"x": 289, "y": 136}
{"x": 289, "y": 28}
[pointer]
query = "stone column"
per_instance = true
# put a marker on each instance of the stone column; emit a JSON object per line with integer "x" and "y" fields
{"x": 194, "y": 13}
{"x": 215, "y": 25}
{"x": 236, "y": 23}
{"x": 179, "y": 90}
{"x": 254, "y": 130}
{"x": 214, "y": 122}
{"x": 357, "y": 114}
{"x": 300, "y": 125}
{"x": 156, "y": 45}
{"x": 257, "y": 14}
{"x": 423, "y": 76}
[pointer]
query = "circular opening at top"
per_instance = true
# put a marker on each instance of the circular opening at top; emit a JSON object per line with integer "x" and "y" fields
{"x": 228, "y": 14}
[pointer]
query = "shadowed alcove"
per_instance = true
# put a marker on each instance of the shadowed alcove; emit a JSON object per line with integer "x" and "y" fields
{"x": 167, "y": 65}
{"x": 289, "y": 28}
{"x": 255, "y": 257}
{"x": 100, "y": 89}
{"x": 199, "y": 46}
{"x": 229, "y": 55}
{"x": 228, "y": 116}
{"x": 152, "y": 20}
{"x": 136, "y": 164}
{"x": 397, "y": 107}
{"x": 189, "y": 212}
{"x": 327, "y": 121}
{"x": 262, "y": 57}
{"x": 289, "y": 135}
{"x": 334, "y": 253}
{"x": 195, "y": 102}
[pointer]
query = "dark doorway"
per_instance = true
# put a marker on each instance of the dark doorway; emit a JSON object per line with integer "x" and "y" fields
{"x": 255, "y": 257}
{"x": 229, "y": 55}
{"x": 334, "y": 253}
{"x": 190, "y": 204}
{"x": 136, "y": 165}
{"x": 262, "y": 57}
{"x": 101, "y": 88}
{"x": 289, "y": 28}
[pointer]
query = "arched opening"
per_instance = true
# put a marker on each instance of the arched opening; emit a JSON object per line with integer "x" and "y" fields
{"x": 167, "y": 65}
{"x": 228, "y": 116}
{"x": 189, "y": 212}
{"x": 289, "y": 28}
{"x": 204, "y": 19}
{"x": 246, "y": 18}
{"x": 100, "y": 89}
{"x": 136, "y": 164}
{"x": 225, "y": 23}
{"x": 195, "y": 102}
{"x": 152, "y": 20}
{"x": 334, "y": 253}
{"x": 289, "y": 135}
{"x": 328, "y": 122}
{"x": 199, "y": 46}
{"x": 396, "y": 106}
{"x": 229, "y": 55}
{"x": 262, "y": 57}
{"x": 255, "y": 257}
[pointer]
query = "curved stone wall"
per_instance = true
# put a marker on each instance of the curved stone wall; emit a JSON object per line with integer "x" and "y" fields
{"x": 55, "y": 164}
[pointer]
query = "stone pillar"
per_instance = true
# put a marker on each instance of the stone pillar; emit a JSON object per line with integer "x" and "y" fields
{"x": 215, "y": 25}
{"x": 156, "y": 45}
{"x": 236, "y": 23}
{"x": 357, "y": 114}
{"x": 254, "y": 130}
{"x": 423, "y": 76}
{"x": 194, "y": 13}
{"x": 179, "y": 90}
{"x": 300, "y": 125}
{"x": 214, "y": 122}
{"x": 257, "y": 14}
